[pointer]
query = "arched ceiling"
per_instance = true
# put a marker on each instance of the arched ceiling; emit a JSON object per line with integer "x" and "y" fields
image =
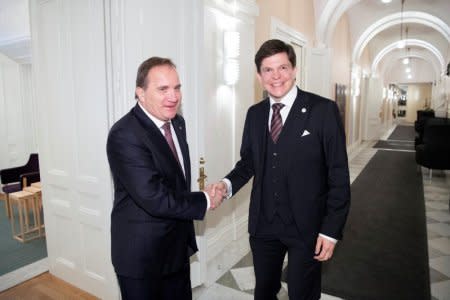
{"x": 375, "y": 31}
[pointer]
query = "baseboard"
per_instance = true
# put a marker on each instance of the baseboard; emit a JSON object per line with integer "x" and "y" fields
{"x": 224, "y": 251}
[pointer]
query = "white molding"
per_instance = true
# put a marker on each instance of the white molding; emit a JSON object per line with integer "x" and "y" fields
{"x": 395, "y": 19}
{"x": 323, "y": 21}
{"x": 281, "y": 30}
{"x": 410, "y": 42}
{"x": 284, "y": 32}
{"x": 118, "y": 100}
{"x": 248, "y": 8}
{"x": 426, "y": 56}
{"x": 223, "y": 236}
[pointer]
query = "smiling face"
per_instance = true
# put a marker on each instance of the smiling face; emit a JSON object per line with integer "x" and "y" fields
{"x": 277, "y": 75}
{"x": 161, "y": 97}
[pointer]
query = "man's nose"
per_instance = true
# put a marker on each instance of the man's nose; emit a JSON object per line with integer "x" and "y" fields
{"x": 173, "y": 95}
{"x": 276, "y": 73}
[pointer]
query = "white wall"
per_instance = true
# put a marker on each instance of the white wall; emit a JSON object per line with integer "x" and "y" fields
{"x": 16, "y": 112}
{"x": 225, "y": 108}
{"x": 372, "y": 99}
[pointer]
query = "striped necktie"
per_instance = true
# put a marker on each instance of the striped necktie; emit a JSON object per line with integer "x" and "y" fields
{"x": 169, "y": 139}
{"x": 276, "y": 123}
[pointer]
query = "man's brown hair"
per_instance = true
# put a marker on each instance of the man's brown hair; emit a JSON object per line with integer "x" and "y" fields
{"x": 146, "y": 66}
{"x": 272, "y": 47}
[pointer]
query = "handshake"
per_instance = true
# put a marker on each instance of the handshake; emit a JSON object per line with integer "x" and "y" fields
{"x": 217, "y": 192}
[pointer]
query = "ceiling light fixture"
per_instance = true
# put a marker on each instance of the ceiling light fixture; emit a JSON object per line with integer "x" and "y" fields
{"x": 401, "y": 43}
{"x": 406, "y": 59}
{"x": 386, "y": 1}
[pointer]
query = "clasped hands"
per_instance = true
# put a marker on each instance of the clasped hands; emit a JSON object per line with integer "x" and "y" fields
{"x": 216, "y": 192}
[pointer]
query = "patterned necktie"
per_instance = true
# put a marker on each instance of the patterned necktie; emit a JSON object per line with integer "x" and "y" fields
{"x": 169, "y": 139}
{"x": 276, "y": 124}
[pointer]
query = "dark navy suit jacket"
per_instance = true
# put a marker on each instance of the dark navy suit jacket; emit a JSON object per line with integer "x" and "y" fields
{"x": 152, "y": 232}
{"x": 315, "y": 167}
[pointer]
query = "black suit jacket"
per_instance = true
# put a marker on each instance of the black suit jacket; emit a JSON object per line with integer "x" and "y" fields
{"x": 315, "y": 166}
{"x": 152, "y": 232}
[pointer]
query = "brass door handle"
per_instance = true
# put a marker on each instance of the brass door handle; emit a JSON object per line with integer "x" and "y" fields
{"x": 202, "y": 177}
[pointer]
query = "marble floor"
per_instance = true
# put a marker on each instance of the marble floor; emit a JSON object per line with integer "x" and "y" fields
{"x": 238, "y": 282}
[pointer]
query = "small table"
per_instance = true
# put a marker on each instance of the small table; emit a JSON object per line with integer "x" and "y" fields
{"x": 36, "y": 191}
{"x": 36, "y": 184}
{"x": 27, "y": 230}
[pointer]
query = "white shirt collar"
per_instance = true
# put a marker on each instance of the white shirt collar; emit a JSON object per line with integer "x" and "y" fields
{"x": 288, "y": 99}
{"x": 155, "y": 120}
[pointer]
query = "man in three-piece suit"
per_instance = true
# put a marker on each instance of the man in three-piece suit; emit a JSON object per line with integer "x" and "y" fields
{"x": 152, "y": 232}
{"x": 293, "y": 145}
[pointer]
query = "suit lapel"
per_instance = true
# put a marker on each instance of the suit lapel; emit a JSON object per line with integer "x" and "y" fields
{"x": 296, "y": 121}
{"x": 154, "y": 140}
{"x": 262, "y": 132}
{"x": 180, "y": 131}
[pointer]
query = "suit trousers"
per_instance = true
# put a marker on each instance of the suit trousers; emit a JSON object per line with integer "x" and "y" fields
{"x": 168, "y": 287}
{"x": 269, "y": 250}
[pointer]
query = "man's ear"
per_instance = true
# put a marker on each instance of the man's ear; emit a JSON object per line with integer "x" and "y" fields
{"x": 259, "y": 77}
{"x": 140, "y": 93}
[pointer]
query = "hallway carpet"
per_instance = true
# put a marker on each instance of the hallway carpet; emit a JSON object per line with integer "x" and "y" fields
{"x": 404, "y": 133}
{"x": 395, "y": 145}
{"x": 14, "y": 254}
{"x": 384, "y": 252}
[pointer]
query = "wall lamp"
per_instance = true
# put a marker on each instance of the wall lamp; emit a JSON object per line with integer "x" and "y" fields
{"x": 231, "y": 40}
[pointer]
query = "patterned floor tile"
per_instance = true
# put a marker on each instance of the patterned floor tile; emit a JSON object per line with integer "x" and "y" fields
{"x": 437, "y": 205}
{"x": 441, "y": 264}
{"x": 436, "y": 276}
{"x": 441, "y": 216}
{"x": 441, "y": 290}
{"x": 441, "y": 244}
{"x": 220, "y": 292}
{"x": 245, "y": 277}
{"x": 433, "y": 252}
{"x": 439, "y": 228}
{"x": 228, "y": 280}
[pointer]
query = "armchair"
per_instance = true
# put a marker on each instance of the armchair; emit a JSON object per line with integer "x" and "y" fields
{"x": 434, "y": 153}
{"x": 419, "y": 124}
{"x": 15, "y": 179}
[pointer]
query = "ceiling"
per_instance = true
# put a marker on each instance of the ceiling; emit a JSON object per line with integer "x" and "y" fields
{"x": 375, "y": 29}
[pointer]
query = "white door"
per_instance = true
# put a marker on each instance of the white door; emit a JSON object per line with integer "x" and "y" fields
{"x": 318, "y": 75}
{"x": 68, "y": 49}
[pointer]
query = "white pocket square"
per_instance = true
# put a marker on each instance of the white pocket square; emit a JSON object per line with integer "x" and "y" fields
{"x": 306, "y": 132}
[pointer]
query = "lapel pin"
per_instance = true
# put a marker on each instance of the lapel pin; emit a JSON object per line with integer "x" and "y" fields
{"x": 303, "y": 110}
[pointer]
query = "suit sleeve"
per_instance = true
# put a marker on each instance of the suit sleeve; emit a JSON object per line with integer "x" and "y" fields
{"x": 338, "y": 200}
{"x": 244, "y": 168}
{"x": 134, "y": 170}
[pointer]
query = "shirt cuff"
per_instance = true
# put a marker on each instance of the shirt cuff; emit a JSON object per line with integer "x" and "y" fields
{"x": 229, "y": 187}
{"x": 208, "y": 201}
{"x": 328, "y": 238}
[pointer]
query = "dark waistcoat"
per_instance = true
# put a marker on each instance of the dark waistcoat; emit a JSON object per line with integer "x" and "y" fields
{"x": 276, "y": 210}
